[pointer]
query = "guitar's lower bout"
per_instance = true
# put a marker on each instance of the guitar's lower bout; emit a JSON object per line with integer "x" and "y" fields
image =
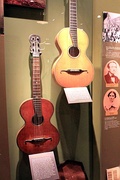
{"x": 72, "y": 68}
{"x": 33, "y": 138}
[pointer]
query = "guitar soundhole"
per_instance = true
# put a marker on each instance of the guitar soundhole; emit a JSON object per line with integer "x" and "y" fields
{"x": 74, "y": 51}
{"x": 37, "y": 120}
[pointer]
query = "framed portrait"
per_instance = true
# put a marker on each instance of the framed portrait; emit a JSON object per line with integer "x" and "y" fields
{"x": 111, "y": 102}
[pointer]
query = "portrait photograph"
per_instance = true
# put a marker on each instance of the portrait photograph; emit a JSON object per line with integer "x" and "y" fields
{"x": 111, "y": 102}
{"x": 112, "y": 74}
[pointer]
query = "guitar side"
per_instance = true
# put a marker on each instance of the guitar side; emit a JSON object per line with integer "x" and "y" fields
{"x": 33, "y": 138}
{"x": 70, "y": 71}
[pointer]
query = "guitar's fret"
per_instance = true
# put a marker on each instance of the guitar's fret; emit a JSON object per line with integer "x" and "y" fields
{"x": 36, "y": 91}
{"x": 73, "y": 13}
{"x": 73, "y": 29}
{"x": 36, "y": 94}
{"x": 35, "y": 97}
{"x": 36, "y": 84}
{"x": 74, "y": 26}
{"x": 73, "y": 21}
{"x": 36, "y": 79}
{"x": 73, "y": 36}
{"x": 73, "y": 18}
{"x": 36, "y": 105}
{"x": 73, "y": 10}
{"x": 35, "y": 67}
{"x": 36, "y": 88}
{"x": 36, "y": 74}
{"x": 36, "y": 100}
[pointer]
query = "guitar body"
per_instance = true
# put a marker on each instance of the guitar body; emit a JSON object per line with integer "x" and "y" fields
{"x": 72, "y": 68}
{"x": 36, "y": 138}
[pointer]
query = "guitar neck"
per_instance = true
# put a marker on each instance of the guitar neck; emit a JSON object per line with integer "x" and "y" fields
{"x": 73, "y": 21}
{"x": 36, "y": 86}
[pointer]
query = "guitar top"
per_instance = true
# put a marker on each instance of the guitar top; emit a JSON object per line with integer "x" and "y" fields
{"x": 38, "y": 134}
{"x": 72, "y": 68}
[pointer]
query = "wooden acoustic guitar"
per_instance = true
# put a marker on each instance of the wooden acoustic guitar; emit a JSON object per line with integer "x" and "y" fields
{"x": 38, "y": 134}
{"x": 72, "y": 68}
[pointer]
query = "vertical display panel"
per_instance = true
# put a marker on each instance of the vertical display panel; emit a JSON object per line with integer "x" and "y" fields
{"x": 110, "y": 121}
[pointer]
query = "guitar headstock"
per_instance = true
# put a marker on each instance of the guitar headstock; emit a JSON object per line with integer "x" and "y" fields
{"x": 35, "y": 45}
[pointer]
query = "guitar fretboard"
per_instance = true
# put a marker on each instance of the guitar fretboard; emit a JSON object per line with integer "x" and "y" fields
{"x": 73, "y": 21}
{"x": 36, "y": 86}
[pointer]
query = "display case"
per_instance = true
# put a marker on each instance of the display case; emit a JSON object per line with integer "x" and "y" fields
{"x": 79, "y": 124}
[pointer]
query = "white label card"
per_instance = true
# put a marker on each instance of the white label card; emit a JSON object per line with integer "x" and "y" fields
{"x": 43, "y": 166}
{"x": 77, "y": 95}
{"x": 113, "y": 173}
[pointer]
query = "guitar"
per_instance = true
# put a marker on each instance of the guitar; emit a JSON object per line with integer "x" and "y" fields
{"x": 38, "y": 134}
{"x": 72, "y": 68}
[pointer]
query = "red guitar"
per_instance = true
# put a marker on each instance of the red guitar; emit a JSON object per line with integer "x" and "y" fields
{"x": 72, "y": 68}
{"x": 38, "y": 134}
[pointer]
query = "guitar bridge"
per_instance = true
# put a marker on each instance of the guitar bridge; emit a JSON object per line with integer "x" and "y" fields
{"x": 74, "y": 71}
{"x": 37, "y": 140}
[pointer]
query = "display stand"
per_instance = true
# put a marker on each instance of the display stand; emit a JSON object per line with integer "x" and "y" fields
{"x": 43, "y": 166}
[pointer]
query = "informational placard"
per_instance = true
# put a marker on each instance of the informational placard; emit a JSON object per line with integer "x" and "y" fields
{"x": 43, "y": 166}
{"x": 113, "y": 173}
{"x": 110, "y": 120}
{"x": 77, "y": 95}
